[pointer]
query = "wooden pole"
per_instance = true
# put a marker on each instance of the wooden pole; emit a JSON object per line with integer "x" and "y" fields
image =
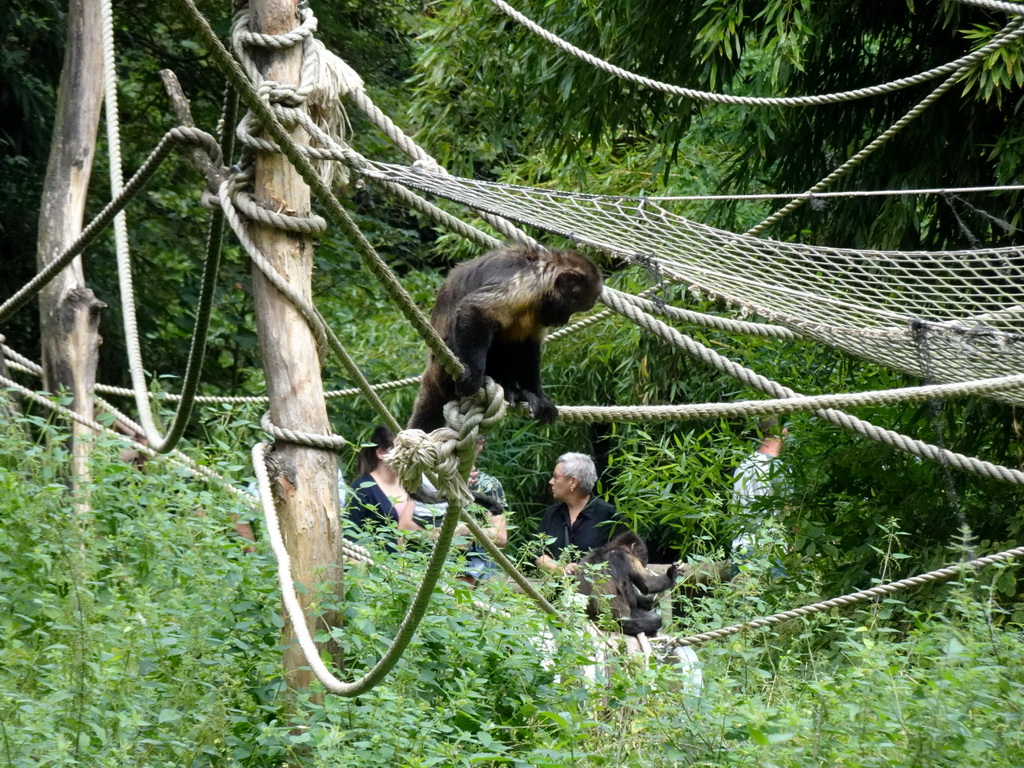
{"x": 69, "y": 312}
{"x": 304, "y": 479}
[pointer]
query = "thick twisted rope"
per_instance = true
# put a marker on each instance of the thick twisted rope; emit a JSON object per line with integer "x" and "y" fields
{"x": 439, "y": 215}
{"x": 795, "y": 404}
{"x": 20, "y": 362}
{"x": 867, "y": 594}
{"x": 321, "y": 441}
{"x": 197, "y": 351}
{"x": 687, "y": 412}
{"x": 707, "y": 321}
{"x": 849, "y": 193}
{"x": 310, "y": 439}
{"x": 256, "y": 399}
{"x": 325, "y": 336}
{"x": 764, "y": 384}
{"x": 190, "y": 465}
{"x": 318, "y": 323}
{"x": 996, "y": 5}
{"x": 439, "y": 454}
{"x": 721, "y": 98}
{"x": 327, "y": 442}
{"x": 406, "y": 630}
{"x": 1012, "y": 31}
{"x": 349, "y": 549}
{"x": 253, "y": 100}
{"x": 361, "y": 99}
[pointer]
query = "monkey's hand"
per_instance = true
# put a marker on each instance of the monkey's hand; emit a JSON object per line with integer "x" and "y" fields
{"x": 541, "y": 408}
{"x": 469, "y": 383}
{"x": 674, "y": 570}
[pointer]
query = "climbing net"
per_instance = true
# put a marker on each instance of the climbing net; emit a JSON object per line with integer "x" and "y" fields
{"x": 941, "y": 315}
{"x": 955, "y": 318}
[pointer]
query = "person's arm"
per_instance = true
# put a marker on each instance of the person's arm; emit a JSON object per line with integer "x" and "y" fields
{"x": 497, "y": 531}
{"x": 547, "y": 563}
{"x": 404, "y": 510}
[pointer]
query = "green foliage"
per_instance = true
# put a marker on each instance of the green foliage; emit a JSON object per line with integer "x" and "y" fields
{"x": 144, "y": 636}
{"x": 141, "y": 634}
{"x": 133, "y": 635}
{"x": 476, "y": 67}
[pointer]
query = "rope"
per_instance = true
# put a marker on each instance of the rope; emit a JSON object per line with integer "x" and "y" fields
{"x": 862, "y": 301}
{"x": 1012, "y": 31}
{"x": 442, "y": 217}
{"x": 325, "y": 336}
{"x": 795, "y": 404}
{"x": 763, "y": 384}
{"x": 323, "y": 442}
{"x": 790, "y": 101}
{"x": 17, "y": 361}
{"x": 406, "y": 630}
{"x": 849, "y": 193}
{"x": 179, "y": 458}
{"x": 259, "y": 399}
{"x": 996, "y": 5}
{"x": 361, "y": 99}
{"x": 170, "y": 140}
{"x": 868, "y": 594}
{"x": 269, "y": 120}
{"x": 705, "y": 320}
{"x": 197, "y": 351}
{"x": 507, "y": 565}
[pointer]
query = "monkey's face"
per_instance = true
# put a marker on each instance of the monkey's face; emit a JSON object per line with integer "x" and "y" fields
{"x": 573, "y": 292}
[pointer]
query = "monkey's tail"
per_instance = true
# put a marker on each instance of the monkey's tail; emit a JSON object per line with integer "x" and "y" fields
{"x": 648, "y": 622}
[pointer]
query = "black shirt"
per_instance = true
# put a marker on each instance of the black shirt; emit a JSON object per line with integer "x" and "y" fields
{"x": 371, "y": 510}
{"x": 594, "y": 526}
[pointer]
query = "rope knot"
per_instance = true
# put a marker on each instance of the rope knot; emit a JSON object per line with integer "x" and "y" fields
{"x": 441, "y": 453}
{"x": 429, "y": 165}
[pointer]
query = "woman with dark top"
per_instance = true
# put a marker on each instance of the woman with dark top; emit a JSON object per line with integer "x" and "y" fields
{"x": 580, "y": 519}
{"x": 379, "y": 501}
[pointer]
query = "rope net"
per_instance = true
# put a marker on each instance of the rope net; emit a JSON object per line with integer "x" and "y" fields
{"x": 946, "y": 316}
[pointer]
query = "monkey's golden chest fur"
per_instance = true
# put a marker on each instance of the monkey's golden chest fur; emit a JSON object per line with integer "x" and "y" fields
{"x": 523, "y": 325}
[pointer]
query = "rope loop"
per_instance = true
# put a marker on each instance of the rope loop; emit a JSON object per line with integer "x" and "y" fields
{"x": 309, "y": 439}
{"x": 248, "y": 207}
{"x": 242, "y": 36}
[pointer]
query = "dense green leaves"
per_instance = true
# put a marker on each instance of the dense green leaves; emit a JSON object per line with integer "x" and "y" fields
{"x": 516, "y": 98}
{"x": 144, "y": 635}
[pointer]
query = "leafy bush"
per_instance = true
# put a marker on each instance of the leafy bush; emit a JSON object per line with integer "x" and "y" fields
{"x": 141, "y": 634}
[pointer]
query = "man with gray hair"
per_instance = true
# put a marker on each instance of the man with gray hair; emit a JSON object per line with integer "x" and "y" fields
{"x": 579, "y": 520}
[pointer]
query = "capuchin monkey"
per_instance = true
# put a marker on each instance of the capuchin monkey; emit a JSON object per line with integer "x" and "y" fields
{"x": 493, "y": 312}
{"x": 618, "y": 579}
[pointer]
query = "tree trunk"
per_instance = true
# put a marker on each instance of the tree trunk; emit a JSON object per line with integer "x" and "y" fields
{"x": 69, "y": 312}
{"x": 305, "y": 479}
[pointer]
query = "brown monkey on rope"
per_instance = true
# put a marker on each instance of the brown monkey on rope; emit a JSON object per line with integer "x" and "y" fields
{"x": 618, "y": 579}
{"x": 493, "y": 312}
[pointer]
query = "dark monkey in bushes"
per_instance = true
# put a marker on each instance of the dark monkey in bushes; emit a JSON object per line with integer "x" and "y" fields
{"x": 493, "y": 312}
{"x": 617, "y": 579}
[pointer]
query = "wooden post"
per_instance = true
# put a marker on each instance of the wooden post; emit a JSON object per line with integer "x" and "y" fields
{"x": 69, "y": 312}
{"x": 305, "y": 479}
